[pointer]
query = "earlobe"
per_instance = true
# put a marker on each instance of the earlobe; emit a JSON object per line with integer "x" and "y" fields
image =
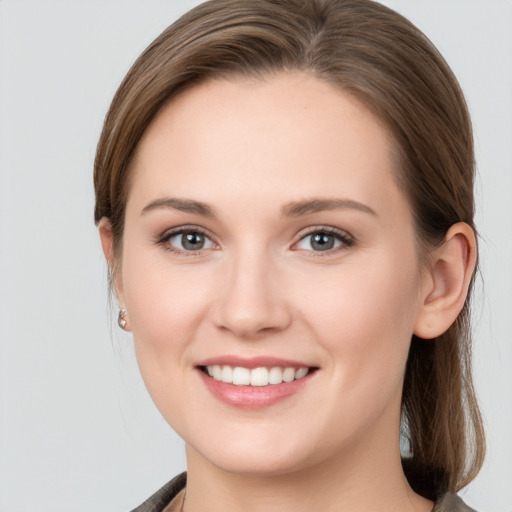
{"x": 447, "y": 283}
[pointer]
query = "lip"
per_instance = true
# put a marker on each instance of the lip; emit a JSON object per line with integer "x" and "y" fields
{"x": 253, "y": 397}
{"x": 253, "y": 362}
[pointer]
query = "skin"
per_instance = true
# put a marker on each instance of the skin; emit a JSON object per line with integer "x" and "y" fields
{"x": 250, "y": 149}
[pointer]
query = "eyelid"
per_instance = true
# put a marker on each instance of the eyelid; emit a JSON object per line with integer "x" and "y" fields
{"x": 165, "y": 236}
{"x": 161, "y": 239}
{"x": 344, "y": 236}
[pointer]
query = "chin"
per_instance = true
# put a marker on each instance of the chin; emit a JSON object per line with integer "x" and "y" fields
{"x": 262, "y": 464}
{"x": 263, "y": 455}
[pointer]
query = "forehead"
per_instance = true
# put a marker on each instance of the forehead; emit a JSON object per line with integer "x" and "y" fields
{"x": 290, "y": 133}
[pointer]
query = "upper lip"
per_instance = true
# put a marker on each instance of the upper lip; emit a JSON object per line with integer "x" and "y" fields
{"x": 253, "y": 362}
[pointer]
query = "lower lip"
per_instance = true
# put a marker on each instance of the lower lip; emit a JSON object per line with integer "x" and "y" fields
{"x": 253, "y": 397}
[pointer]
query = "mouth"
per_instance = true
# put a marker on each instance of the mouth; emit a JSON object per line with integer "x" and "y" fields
{"x": 255, "y": 383}
{"x": 256, "y": 377}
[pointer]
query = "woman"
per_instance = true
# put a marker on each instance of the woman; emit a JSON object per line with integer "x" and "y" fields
{"x": 284, "y": 198}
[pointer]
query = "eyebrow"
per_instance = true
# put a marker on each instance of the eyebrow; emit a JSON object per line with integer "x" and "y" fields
{"x": 292, "y": 209}
{"x": 182, "y": 205}
{"x": 314, "y": 205}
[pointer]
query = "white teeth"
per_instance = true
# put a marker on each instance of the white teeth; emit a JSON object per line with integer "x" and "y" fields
{"x": 289, "y": 374}
{"x": 275, "y": 376}
{"x": 217, "y": 371}
{"x": 227, "y": 374}
{"x": 240, "y": 376}
{"x": 301, "y": 372}
{"x": 259, "y": 377}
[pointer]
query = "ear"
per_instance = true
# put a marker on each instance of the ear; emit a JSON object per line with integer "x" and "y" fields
{"x": 446, "y": 282}
{"x": 107, "y": 244}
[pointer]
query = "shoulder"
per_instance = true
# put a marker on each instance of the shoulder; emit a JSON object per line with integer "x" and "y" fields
{"x": 451, "y": 503}
{"x": 164, "y": 496}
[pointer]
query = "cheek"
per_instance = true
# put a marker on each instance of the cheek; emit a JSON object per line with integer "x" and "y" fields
{"x": 166, "y": 304}
{"x": 166, "y": 307}
{"x": 364, "y": 317}
{"x": 166, "y": 316}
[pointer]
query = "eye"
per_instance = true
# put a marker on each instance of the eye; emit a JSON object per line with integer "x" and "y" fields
{"x": 323, "y": 240}
{"x": 187, "y": 240}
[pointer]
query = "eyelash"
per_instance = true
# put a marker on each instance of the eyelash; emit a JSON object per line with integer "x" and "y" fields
{"x": 340, "y": 236}
{"x": 163, "y": 239}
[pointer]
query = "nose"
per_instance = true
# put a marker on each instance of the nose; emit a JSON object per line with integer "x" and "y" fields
{"x": 252, "y": 298}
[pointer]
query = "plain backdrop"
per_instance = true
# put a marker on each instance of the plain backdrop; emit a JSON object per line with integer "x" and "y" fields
{"x": 78, "y": 432}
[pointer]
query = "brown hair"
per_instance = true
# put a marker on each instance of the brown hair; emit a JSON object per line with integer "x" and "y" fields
{"x": 378, "y": 56}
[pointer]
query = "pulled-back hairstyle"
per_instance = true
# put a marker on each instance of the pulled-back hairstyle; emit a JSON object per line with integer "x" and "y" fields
{"x": 379, "y": 57}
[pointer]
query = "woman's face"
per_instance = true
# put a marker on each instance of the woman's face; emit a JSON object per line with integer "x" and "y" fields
{"x": 265, "y": 238}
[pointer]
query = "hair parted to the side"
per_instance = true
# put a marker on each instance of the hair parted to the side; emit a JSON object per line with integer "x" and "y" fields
{"x": 378, "y": 56}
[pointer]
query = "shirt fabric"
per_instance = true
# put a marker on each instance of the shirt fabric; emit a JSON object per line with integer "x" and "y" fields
{"x": 170, "y": 497}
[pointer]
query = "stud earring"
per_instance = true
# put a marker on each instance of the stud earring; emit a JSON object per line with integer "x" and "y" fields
{"x": 121, "y": 319}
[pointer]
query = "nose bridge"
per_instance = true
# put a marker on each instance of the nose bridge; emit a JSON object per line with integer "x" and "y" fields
{"x": 251, "y": 301}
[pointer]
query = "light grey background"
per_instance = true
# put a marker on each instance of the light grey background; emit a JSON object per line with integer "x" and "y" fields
{"x": 77, "y": 429}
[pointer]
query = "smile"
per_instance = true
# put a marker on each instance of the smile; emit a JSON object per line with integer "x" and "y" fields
{"x": 241, "y": 376}
{"x": 254, "y": 383}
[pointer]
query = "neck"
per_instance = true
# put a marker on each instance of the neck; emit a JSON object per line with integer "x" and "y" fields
{"x": 354, "y": 481}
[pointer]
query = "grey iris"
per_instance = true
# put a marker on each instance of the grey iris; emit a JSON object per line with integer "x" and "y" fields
{"x": 322, "y": 242}
{"x": 192, "y": 241}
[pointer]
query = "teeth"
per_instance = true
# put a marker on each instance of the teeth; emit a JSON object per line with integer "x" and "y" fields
{"x": 275, "y": 376}
{"x": 259, "y": 377}
{"x": 217, "y": 372}
{"x": 226, "y": 374}
{"x": 240, "y": 376}
{"x": 289, "y": 374}
{"x": 301, "y": 372}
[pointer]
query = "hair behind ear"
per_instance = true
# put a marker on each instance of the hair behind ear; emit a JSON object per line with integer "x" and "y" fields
{"x": 109, "y": 251}
{"x": 441, "y": 419}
